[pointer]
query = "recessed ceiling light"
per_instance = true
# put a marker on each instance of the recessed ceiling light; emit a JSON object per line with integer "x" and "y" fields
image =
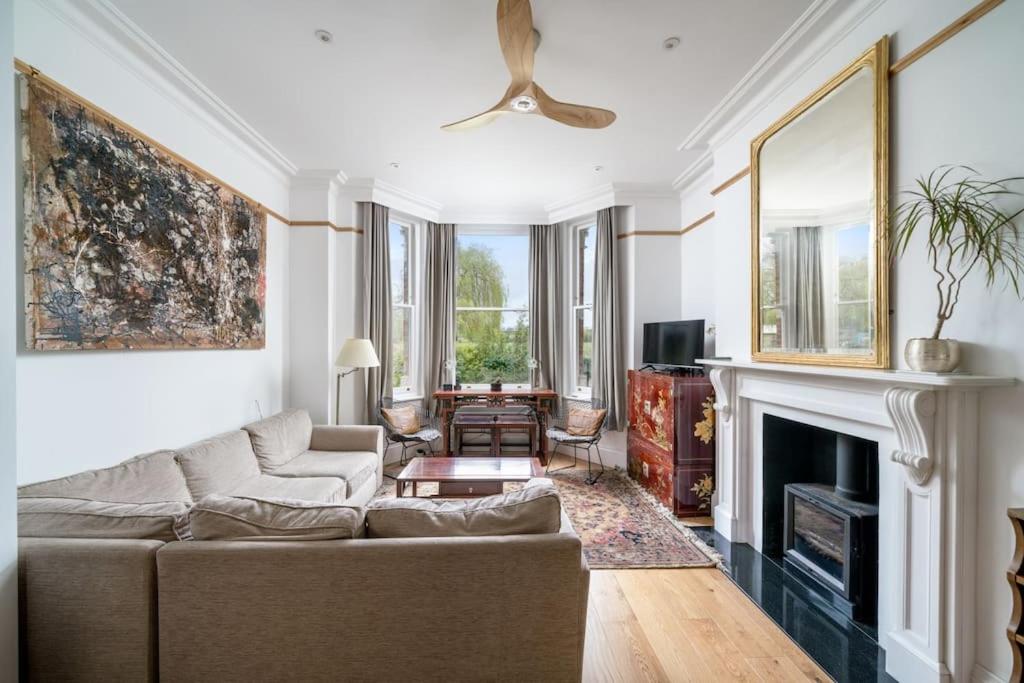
{"x": 323, "y": 36}
{"x": 598, "y": 169}
{"x": 671, "y": 43}
{"x": 395, "y": 164}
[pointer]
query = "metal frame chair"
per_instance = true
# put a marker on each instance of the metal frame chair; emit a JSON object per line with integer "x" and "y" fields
{"x": 560, "y": 437}
{"x": 426, "y": 436}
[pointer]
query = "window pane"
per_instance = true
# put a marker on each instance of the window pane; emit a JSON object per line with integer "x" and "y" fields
{"x": 491, "y": 345}
{"x": 401, "y": 346}
{"x": 584, "y": 330}
{"x": 854, "y": 326}
{"x": 494, "y": 271}
{"x": 398, "y": 236}
{"x": 853, "y": 246}
{"x": 585, "y": 269}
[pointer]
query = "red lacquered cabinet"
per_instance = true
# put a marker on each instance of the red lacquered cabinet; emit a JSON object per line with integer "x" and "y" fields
{"x": 663, "y": 413}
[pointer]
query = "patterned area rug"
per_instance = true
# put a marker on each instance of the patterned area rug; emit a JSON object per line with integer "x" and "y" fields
{"x": 620, "y": 524}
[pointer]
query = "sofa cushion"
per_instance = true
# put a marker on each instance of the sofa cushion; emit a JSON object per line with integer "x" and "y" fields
{"x": 313, "y": 489}
{"x": 148, "y": 478}
{"x": 534, "y": 509}
{"x": 218, "y": 464}
{"x": 355, "y": 467}
{"x": 217, "y": 518}
{"x": 72, "y": 518}
{"x": 279, "y": 438}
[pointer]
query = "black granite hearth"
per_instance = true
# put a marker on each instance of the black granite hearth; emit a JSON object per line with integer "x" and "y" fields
{"x": 847, "y": 650}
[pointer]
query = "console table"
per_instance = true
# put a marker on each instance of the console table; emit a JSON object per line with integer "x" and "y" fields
{"x": 543, "y": 401}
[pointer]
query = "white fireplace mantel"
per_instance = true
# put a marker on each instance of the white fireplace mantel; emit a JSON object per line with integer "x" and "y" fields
{"x": 926, "y": 426}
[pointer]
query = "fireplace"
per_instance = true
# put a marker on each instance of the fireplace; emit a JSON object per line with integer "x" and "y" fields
{"x": 820, "y": 507}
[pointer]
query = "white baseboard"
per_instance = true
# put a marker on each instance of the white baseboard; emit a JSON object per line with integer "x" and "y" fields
{"x": 983, "y": 675}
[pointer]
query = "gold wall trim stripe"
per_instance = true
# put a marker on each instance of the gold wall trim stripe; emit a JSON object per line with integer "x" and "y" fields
{"x": 667, "y": 233}
{"x": 731, "y": 181}
{"x": 325, "y": 224}
{"x": 33, "y": 72}
{"x": 697, "y": 223}
{"x": 942, "y": 36}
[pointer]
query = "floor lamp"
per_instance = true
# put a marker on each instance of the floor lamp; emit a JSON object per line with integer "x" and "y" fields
{"x": 355, "y": 354}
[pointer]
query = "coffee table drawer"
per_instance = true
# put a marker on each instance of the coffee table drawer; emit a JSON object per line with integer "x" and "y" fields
{"x": 470, "y": 488}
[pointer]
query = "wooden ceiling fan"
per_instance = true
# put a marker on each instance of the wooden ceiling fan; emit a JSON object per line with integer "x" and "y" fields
{"x": 517, "y": 38}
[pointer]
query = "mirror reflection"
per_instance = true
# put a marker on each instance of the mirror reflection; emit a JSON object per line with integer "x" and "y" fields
{"x": 817, "y": 227}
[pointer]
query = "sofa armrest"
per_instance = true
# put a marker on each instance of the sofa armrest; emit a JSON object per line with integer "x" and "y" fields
{"x": 512, "y": 607}
{"x": 348, "y": 438}
{"x": 87, "y": 609}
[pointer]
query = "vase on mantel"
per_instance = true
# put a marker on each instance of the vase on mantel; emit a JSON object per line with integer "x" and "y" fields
{"x": 925, "y": 354}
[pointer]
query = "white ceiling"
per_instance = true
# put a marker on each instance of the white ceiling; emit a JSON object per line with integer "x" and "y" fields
{"x": 399, "y": 69}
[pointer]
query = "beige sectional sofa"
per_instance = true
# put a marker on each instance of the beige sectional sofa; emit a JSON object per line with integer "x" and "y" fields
{"x": 113, "y": 586}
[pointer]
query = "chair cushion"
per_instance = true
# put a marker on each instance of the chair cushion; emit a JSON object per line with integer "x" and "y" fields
{"x": 403, "y": 420}
{"x": 428, "y": 434}
{"x": 148, "y": 478}
{"x": 355, "y": 467}
{"x": 217, "y": 518}
{"x": 313, "y": 489}
{"x": 562, "y": 436}
{"x": 72, "y": 518}
{"x": 217, "y": 464}
{"x": 534, "y": 509}
{"x": 585, "y": 421}
{"x": 279, "y": 438}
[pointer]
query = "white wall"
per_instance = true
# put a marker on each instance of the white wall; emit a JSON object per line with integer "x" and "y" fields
{"x": 8, "y": 344}
{"x": 959, "y": 105}
{"x": 85, "y": 409}
{"x": 697, "y": 273}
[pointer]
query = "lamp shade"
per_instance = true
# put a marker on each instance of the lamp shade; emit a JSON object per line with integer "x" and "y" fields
{"x": 357, "y": 353}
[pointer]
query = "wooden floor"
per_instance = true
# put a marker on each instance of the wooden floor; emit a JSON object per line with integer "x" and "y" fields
{"x": 684, "y": 625}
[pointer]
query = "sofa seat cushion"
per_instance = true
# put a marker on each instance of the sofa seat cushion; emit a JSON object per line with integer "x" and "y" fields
{"x": 534, "y": 509}
{"x": 278, "y": 439}
{"x": 72, "y": 518}
{"x": 218, "y": 464}
{"x": 149, "y": 478}
{"x": 355, "y": 467}
{"x": 314, "y": 489}
{"x": 219, "y": 518}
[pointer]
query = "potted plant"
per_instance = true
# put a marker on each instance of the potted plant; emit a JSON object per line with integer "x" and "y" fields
{"x": 965, "y": 230}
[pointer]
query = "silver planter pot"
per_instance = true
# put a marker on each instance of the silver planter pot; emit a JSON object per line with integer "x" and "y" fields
{"x": 932, "y": 355}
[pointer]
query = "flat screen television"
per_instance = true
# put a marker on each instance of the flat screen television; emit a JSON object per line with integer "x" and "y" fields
{"x": 680, "y": 343}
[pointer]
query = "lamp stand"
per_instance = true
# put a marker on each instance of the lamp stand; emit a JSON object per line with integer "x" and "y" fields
{"x": 337, "y": 394}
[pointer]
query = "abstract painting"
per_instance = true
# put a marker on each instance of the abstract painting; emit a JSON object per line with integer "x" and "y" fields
{"x": 126, "y": 245}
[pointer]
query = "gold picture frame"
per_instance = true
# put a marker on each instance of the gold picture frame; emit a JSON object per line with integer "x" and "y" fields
{"x": 877, "y": 60}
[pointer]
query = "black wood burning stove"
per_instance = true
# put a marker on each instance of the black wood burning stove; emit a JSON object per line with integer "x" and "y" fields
{"x": 831, "y": 533}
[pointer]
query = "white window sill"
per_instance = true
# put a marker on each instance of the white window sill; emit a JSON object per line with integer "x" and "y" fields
{"x": 402, "y": 398}
{"x": 579, "y": 397}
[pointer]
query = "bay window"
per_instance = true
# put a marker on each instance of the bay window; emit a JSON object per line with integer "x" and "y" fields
{"x": 404, "y": 340}
{"x": 583, "y": 250}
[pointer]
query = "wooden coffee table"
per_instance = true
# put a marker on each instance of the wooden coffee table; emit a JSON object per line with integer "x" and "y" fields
{"x": 466, "y": 477}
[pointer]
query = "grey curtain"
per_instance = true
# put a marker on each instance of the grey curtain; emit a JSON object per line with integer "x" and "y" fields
{"x": 373, "y": 220}
{"x": 608, "y": 381}
{"x": 804, "y": 321}
{"x": 546, "y": 302}
{"x": 438, "y": 309}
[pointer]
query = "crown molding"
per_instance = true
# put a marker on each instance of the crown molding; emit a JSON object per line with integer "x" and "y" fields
{"x": 827, "y": 21}
{"x": 106, "y": 27}
{"x": 695, "y": 172}
{"x": 470, "y": 216}
{"x": 392, "y": 196}
{"x": 608, "y": 194}
{"x": 327, "y": 179}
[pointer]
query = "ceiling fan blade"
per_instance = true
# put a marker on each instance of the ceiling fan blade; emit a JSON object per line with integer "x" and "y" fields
{"x": 577, "y": 115}
{"x": 488, "y": 116}
{"x": 515, "y": 33}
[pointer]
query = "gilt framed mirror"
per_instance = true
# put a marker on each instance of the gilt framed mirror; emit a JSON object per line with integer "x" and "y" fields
{"x": 819, "y": 203}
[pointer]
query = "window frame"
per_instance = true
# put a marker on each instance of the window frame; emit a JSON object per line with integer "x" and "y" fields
{"x": 491, "y": 230}
{"x": 412, "y": 390}
{"x": 578, "y": 303}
